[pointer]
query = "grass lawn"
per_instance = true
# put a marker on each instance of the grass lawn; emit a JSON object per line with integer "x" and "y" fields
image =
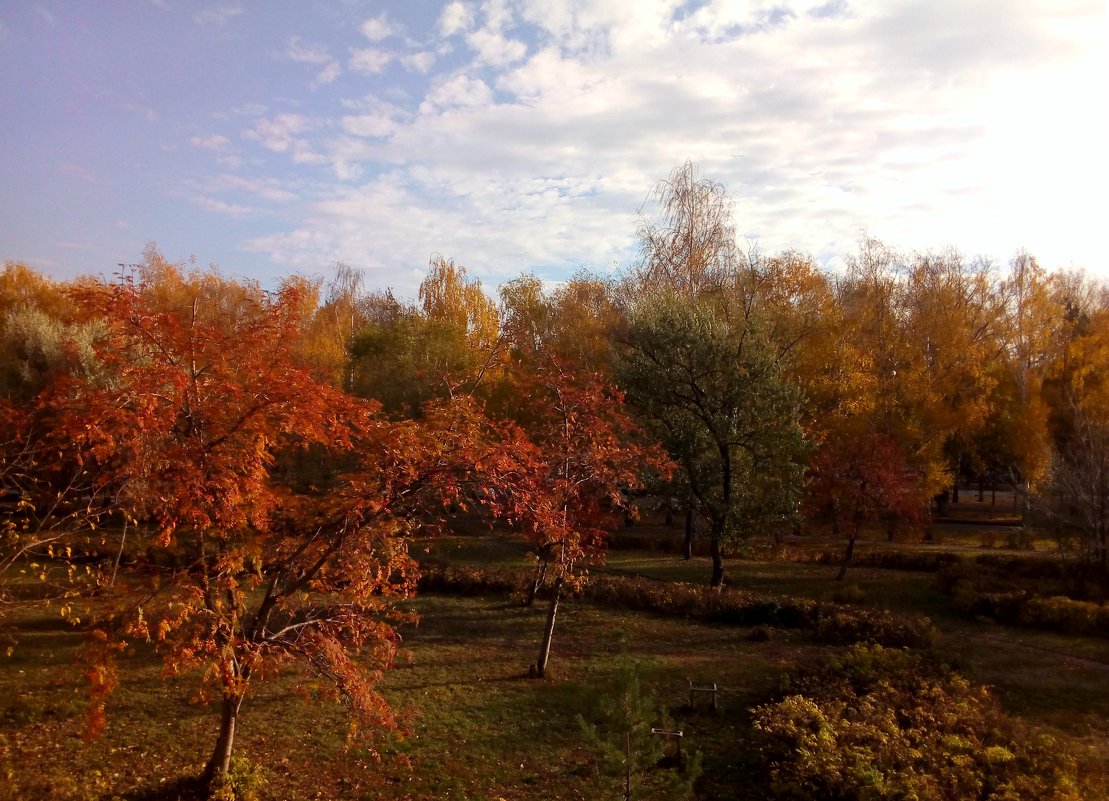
{"x": 477, "y": 728}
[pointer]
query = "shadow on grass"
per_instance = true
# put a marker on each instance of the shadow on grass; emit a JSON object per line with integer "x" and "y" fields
{"x": 188, "y": 788}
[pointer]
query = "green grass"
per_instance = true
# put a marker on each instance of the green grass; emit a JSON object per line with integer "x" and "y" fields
{"x": 478, "y": 728}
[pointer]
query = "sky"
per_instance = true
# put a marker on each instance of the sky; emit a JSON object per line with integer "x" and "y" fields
{"x": 279, "y": 137}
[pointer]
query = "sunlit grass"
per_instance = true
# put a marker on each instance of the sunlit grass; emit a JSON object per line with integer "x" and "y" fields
{"x": 478, "y": 728}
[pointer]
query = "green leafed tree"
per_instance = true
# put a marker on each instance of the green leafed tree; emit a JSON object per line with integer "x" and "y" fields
{"x": 714, "y": 394}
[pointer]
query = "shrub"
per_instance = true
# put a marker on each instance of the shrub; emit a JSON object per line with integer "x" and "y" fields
{"x": 1011, "y": 590}
{"x": 243, "y": 782}
{"x": 1064, "y": 614}
{"x": 885, "y": 724}
{"x": 848, "y": 594}
{"x": 912, "y": 561}
{"x": 839, "y": 626}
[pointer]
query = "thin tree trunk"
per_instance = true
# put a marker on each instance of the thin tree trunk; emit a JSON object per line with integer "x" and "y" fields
{"x": 847, "y": 554}
{"x": 717, "y": 580}
{"x": 689, "y": 532}
{"x": 548, "y": 631}
{"x": 537, "y": 582}
{"x": 119, "y": 553}
{"x": 220, "y": 761}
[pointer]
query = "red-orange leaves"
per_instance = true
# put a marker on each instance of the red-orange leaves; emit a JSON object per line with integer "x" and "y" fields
{"x": 270, "y": 504}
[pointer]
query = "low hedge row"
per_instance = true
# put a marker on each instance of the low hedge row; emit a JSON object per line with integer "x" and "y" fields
{"x": 914, "y": 561}
{"x": 831, "y": 623}
{"x": 1020, "y": 608}
{"x": 1006, "y": 592}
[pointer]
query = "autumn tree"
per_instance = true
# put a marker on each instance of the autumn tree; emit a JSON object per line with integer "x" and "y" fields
{"x": 690, "y": 247}
{"x": 39, "y": 337}
{"x": 955, "y": 313}
{"x": 857, "y": 477}
{"x": 46, "y": 496}
{"x": 263, "y": 572}
{"x": 564, "y": 471}
{"x": 1076, "y": 496}
{"x": 445, "y": 346}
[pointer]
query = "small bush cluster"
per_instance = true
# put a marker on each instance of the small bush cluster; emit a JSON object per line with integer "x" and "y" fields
{"x": 1064, "y": 614}
{"x": 469, "y": 581}
{"x": 832, "y": 622}
{"x": 845, "y": 626}
{"x": 880, "y": 724}
{"x": 243, "y": 782}
{"x": 1023, "y": 595}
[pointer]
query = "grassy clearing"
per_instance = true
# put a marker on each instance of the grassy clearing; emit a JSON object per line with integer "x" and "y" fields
{"x": 478, "y": 728}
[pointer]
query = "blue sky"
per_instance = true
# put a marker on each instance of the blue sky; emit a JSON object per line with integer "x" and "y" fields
{"x": 519, "y": 135}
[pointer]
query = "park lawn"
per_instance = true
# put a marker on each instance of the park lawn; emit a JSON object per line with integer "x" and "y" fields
{"x": 477, "y": 727}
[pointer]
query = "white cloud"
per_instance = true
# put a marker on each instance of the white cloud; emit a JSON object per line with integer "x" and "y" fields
{"x": 373, "y": 125}
{"x": 268, "y": 189}
{"x": 316, "y": 55}
{"x": 213, "y": 142}
{"x": 369, "y": 60}
{"x": 456, "y": 91}
{"x": 456, "y": 17}
{"x": 217, "y": 15}
{"x": 494, "y": 48}
{"x": 306, "y": 54}
{"x": 234, "y": 210}
{"x": 380, "y": 27}
{"x": 822, "y": 120}
{"x": 304, "y": 154}
{"x": 327, "y": 75}
{"x": 421, "y": 61}
{"x": 278, "y": 134}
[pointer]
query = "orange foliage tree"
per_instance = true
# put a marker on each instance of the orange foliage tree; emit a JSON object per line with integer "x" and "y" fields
{"x": 568, "y": 471}
{"x": 245, "y": 566}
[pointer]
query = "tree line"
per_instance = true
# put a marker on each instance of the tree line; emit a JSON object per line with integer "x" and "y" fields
{"x": 232, "y": 473}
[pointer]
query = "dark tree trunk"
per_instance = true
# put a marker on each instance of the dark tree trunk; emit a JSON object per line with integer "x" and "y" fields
{"x": 548, "y": 630}
{"x": 847, "y": 554}
{"x": 688, "y": 553}
{"x": 220, "y": 761}
{"x": 717, "y": 580}
{"x": 668, "y": 508}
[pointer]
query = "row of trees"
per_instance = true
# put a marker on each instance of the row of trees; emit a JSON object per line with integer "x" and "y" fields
{"x": 261, "y": 456}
